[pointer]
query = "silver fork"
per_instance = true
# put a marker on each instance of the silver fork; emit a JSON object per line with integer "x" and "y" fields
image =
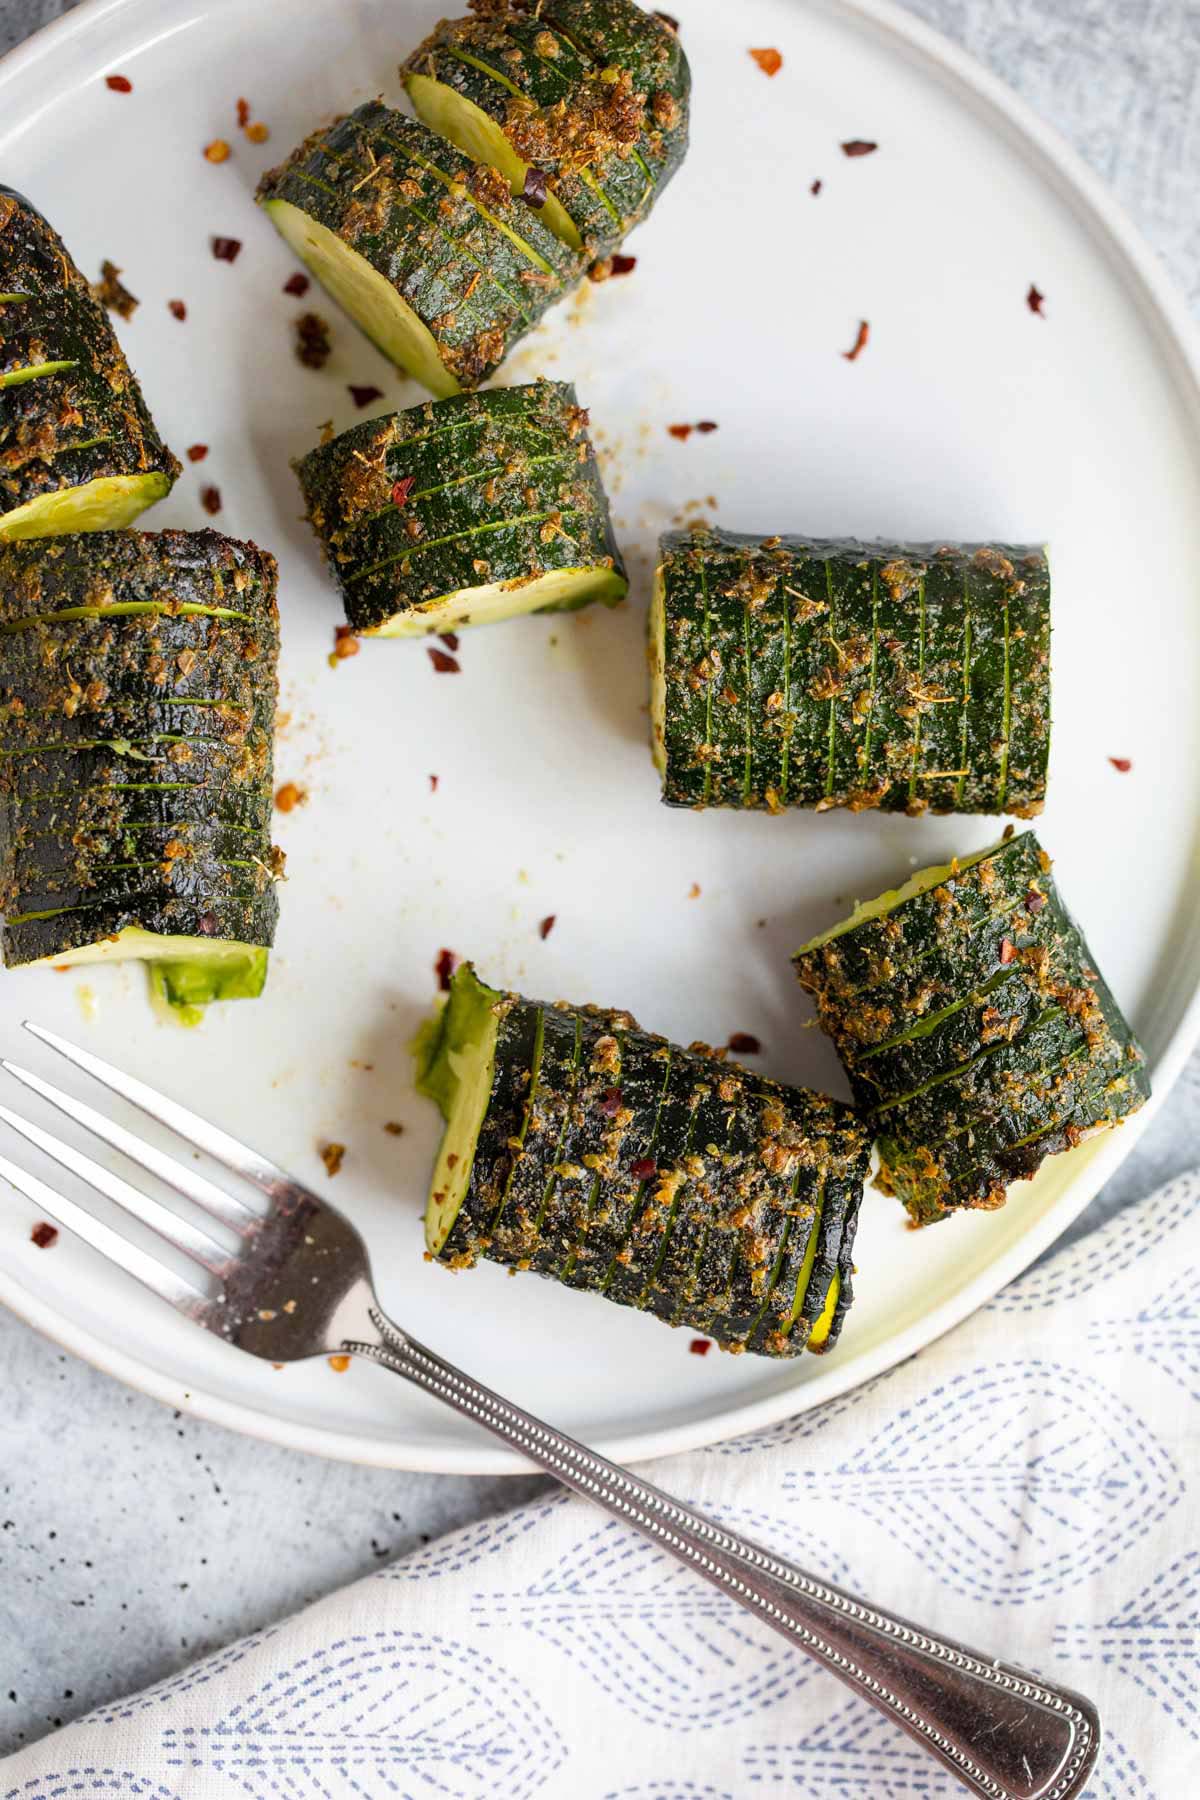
{"x": 299, "y": 1285}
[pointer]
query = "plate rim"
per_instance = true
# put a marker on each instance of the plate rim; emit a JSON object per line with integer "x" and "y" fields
{"x": 1162, "y": 304}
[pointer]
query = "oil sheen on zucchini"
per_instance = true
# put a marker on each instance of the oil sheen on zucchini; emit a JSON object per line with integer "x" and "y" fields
{"x": 668, "y": 1180}
{"x": 822, "y": 673}
{"x": 976, "y": 1032}
{"x": 464, "y": 511}
{"x": 426, "y": 250}
{"x": 137, "y": 701}
{"x": 78, "y": 448}
{"x": 592, "y": 94}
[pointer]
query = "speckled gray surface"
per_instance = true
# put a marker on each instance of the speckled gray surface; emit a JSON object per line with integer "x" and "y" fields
{"x": 106, "y": 1585}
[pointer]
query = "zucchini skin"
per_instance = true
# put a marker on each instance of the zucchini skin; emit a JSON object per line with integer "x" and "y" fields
{"x": 976, "y": 1032}
{"x": 78, "y": 424}
{"x": 527, "y": 456}
{"x": 444, "y": 241}
{"x": 608, "y": 145}
{"x": 664, "y": 1178}
{"x": 123, "y": 800}
{"x": 823, "y": 673}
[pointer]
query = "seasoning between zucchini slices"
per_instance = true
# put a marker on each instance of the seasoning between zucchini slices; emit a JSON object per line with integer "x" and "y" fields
{"x": 78, "y": 448}
{"x": 977, "y": 1034}
{"x": 463, "y": 511}
{"x": 791, "y": 671}
{"x": 137, "y": 709}
{"x": 665, "y": 1179}
{"x": 591, "y": 95}
{"x": 426, "y": 250}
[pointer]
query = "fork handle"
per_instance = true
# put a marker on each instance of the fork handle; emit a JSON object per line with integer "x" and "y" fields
{"x": 1006, "y": 1734}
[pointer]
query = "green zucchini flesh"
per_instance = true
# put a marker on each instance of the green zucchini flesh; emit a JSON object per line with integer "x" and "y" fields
{"x": 106, "y": 504}
{"x": 186, "y": 973}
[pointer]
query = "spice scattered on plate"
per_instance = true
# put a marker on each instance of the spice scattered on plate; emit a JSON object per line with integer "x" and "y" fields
{"x": 111, "y": 292}
{"x": 700, "y": 1346}
{"x": 197, "y": 452}
{"x": 44, "y": 1235}
{"x": 226, "y": 249}
{"x": 217, "y": 151}
{"x": 297, "y": 284}
{"x": 744, "y": 1043}
{"x": 210, "y": 499}
{"x": 859, "y": 147}
{"x": 1121, "y": 764}
{"x": 860, "y": 342}
{"x": 120, "y": 84}
{"x": 547, "y": 926}
{"x": 313, "y": 347}
{"x": 177, "y": 309}
{"x": 344, "y": 644}
{"x": 289, "y": 796}
{"x": 694, "y": 891}
{"x": 339, "y": 1363}
{"x": 393, "y": 1127}
{"x": 769, "y": 61}
{"x": 444, "y": 968}
{"x": 258, "y": 132}
{"x": 816, "y": 186}
{"x": 534, "y": 190}
{"x": 243, "y": 114}
{"x": 433, "y": 784}
{"x": 680, "y": 431}
{"x": 619, "y": 264}
{"x": 449, "y": 638}
{"x": 1035, "y": 300}
{"x": 706, "y": 425}
{"x": 363, "y": 396}
{"x": 444, "y": 663}
{"x": 332, "y": 1155}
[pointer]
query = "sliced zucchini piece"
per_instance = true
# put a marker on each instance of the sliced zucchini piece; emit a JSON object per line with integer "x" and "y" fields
{"x": 977, "y": 1035}
{"x": 802, "y": 672}
{"x": 426, "y": 251}
{"x": 590, "y": 1151}
{"x": 78, "y": 448}
{"x": 186, "y": 973}
{"x": 464, "y": 511}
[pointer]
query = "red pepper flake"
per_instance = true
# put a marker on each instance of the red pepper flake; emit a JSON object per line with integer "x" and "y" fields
{"x": 1035, "y": 300}
{"x": 680, "y": 431}
{"x": 297, "y": 284}
{"x": 1008, "y": 951}
{"x": 210, "y": 499}
{"x": 444, "y": 968}
{"x": 208, "y": 923}
{"x": 547, "y": 926}
{"x": 671, "y": 23}
{"x": 744, "y": 1043}
{"x": 217, "y": 151}
{"x": 226, "y": 249}
{"x": 289, "y": 796}
{"x": 433, "y": 784}
{"x": 610, "y": 1103}
{"x": 197, "y": 452}
{"x": 120, "y": 84}
{"x": 363, "y": 396}
{"x": 816, "y": 186}
{"x": 258, "y": 133}
{"x": 339, "y": 1364}
{"x": 177, "y": 309}
{"x": 243, "y": 114}
{"x": 769, "y": 61}
{"x": 449, "y": 638}
{"x": 443, "y": 663}
{"x": 643, "y": 1168}
{"x": 393, "y": 1127}
{"x": 1121, "y": 764}
{"x": 534, "y": 190}
{"x": 1034, "y": 901}
{"x": 860, "y": 342}
{"x": 332, "y": 1156}
{"x": 700, "y": 1346}
{"x": 344, "y": 644}
{"x": 694, "y": 891}
{"x": 402, "y": 489}
{"x": 43, "y": 1235}
{"x": 313, "y": 347}
{"x": 619, "y": 264}
{"x": 706, "y": 425}
{"x": 859, "y": 147}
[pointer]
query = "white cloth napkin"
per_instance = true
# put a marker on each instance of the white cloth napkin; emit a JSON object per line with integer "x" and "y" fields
{"x": 1027, "y": 1484}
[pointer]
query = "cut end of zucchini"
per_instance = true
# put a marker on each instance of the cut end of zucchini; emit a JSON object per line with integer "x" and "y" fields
{"x": 455, "y": 1054}
{"x": 107, "y": 504}
{"x": 818, "y": 1337}
{"x": 560, "y": 590}
{"x": 369, "y": 299}
{"x": 657, "y": 628}
{"x": 186, "y": 973}
{"x": 466, "y": 125}
{"x": 920, "y": 883}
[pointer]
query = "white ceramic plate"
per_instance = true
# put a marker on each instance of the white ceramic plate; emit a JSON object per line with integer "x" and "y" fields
{"x": 966, "y": 416}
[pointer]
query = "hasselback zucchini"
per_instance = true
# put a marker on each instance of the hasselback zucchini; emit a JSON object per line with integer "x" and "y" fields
{"x": 820, "y": 673}
{"x": 78, "y": 448}
{"x": 137, "y": 703}
{"x": 591, "y": 94}
{"x": 463, "y": 511}
{"x": 426, "y": 250}
{"x": 669, "y": 1180}
{"x": 977, "y": 1034}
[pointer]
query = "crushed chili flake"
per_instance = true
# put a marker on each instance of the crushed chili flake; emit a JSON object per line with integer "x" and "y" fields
{"x": 610, "y": 1103}
{"x": 177, "y": 309}
{"x": 313, "y": 347}
{"x": 258, "y": 133}
{"x": 744, "y": 1043}
{"x": 393, "y": 1127}
{"x": 1035, "y": 301}
{"x": 217, "y": 151}
{"x": 680, "y": 431}
{"x": 667, "y": 19}
{"x": 816, "y": 186}
{"x": 289, "y": 796}
{"x": 1121, "y": 764}
{"x": 860, "y": 342}
{"x": 643, "y": 1168}
{"x": 442, "y": 662}
{"x": 197, "y": 452}
{"x": 547, "y": 926}
{"x": 444, "y": 968}
{"x": 332, "y": 1155}
{"x": 339, "y": 1364}
{"x": 534, "y": 189}
{"x": 706, "y": 425}
{"x": 450, "y": 639}
{"x": 120, "y": 84}
{"x": 769, "y": 61}
{"x": 363, "y": 396}
{"x": 243, "y": 113}
{"x": 111, "y": 291}
{"x": 226, "y": 249}
{"x": 620, "y": 264}
{"x": 694, "y": 891}
{"x": 700, "y": 1346}
{"x": 1008, "y": 951}
{"x": 433, "y": 784}
{"x": 858, "y": 147}
{"x": 44, "y": 1235}
{"x": 210, "y": 499}
{"x": 402, "y": 489}
{"x": 1034, "y": 901}
{"x": 297, "y": 284}
{"x": 344, "y": 644}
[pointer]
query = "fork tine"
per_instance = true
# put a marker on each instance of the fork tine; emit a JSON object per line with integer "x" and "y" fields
{"x": 179, "y": 1232}
{"x": 188, "y": 1182}
{"x": 130, "y": 1257}
{"x": 273, "y": 1181}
